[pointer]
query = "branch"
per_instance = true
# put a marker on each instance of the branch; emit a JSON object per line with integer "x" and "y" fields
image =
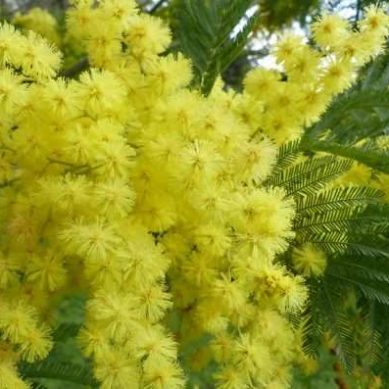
{"x": 257, "y": 53}
{"x": 157, "y": 6}
{"x": 75, "y": 69}
{"x": 357, "y": 16}
{"x": 339, "y": 374}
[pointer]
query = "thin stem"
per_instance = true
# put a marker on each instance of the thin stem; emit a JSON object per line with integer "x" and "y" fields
{"x": 8, "y": 183}
{"x": 2, "y": 9}
{"x": 157, "y": 6}
{"x": 5, "y": 147}
{"x": 53, "y": 160}
{"x": 257, "y": 53}
{"x": 358, "y": 13}
{"x": 77, "y": 68}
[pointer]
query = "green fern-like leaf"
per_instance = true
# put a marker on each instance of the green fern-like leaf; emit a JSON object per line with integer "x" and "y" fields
{"x": 371, "y": 289}
{"x": 38, "y": 385}
{"x": 350, "y": 326}
{"x": 65, "y": 331}
{"x": 350, "y": 224}
{"x": 312, "y": 324}
{"x": 375, "y": 76}
{"x": 287, "y": 155}
{"x": 66, "y": 372}
{"x": 336, "y": 199}
{"x": 310, "y": 176}
{"x": 337, "y": 321}
{"x": 354, "y": 116}
{"x": 372, "y": 157}
{"x": 206, "y": 33}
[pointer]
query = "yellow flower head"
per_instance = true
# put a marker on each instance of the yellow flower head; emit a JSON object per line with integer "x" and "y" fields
{"x": 309, "y": 260}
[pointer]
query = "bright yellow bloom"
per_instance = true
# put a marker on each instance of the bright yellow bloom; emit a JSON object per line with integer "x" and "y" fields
{"x": 128, "y": 185}
{"x": 309, "y": 260}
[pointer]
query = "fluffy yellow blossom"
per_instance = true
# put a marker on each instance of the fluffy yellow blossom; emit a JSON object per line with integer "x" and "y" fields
{"x": 9, "y": 377}
{"x": 359, "y": 174}
{"x": 8, "y": 271}
{"x": 35, "y": 344}
{"x": 329, "y": 30}
{"x": 116, "y": 370}
{"x": 342, "y": 51}
{"x": 40, "y": 21}
{"x": 10, "y": 45}
{"x": 375, "y": 21}
{"x": 92, "y": 241}
{"x": 309, "y": 260}
{"x": 127, "y": 185}
{"x": 99, "y": 91}
{"x": 46, "y": 271}
{"x": 147, "y": 35}
{"x": 163, "y": 375}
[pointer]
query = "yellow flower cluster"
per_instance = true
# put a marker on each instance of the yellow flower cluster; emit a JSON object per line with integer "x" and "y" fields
{"x": 147, "y": 197}
{"x": 40, "y": 21}
{"x": 314, "y": 75}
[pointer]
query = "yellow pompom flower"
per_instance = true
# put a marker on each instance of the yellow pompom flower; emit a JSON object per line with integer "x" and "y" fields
{"x": 287, "y": 46}
{"x": 329, "y": 30}
{"x": 153, "y": 301}
{"x": 375, "y": 21}
{"x": 116, "y": 370}
{"x": 9, "y": 377}
{"x": 17, "y": 320}
{"x": 11, "y": 45}
{"x": 119, "y": 10}
{"x": 127, "y": 185}
{"x": 60, "y": 98}
{"x": 231, "y": 378}
{"x": 163, "y": 375}
{"x": 36, "y": 344}
{"x": 92, "y": 241}
{"x": 99, "y": 91}
{"x": 40, "y": 21}
{"x": 147, "y": 35}
{"x": 309, "y": 260}
{"x": 260, "y": 81}
{"x": 40, "y": 59}
{"x": 153, "y": 344}
{"x": 46, "y": 271}
{"x": 8, "y": 271}
{"x": 114, "y": 198}
{"x": 93, "y": 341}
{"x": 12, "y": 91}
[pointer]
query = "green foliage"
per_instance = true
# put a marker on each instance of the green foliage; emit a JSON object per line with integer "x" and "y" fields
{"x": 70, "y": 375}
{"x": 363, "y": 264}
{"x": 323, "y": 378}
{"x": 380, "y": 319}
{"x": 309, "y": 176}
{"x": 65, "y": 367}
{"x": 287, "y": 154}
{"x": 351, "y": 225}
{"x": 354, "y": 323}
{"x": 279, "y": 13}
{"x": 367, "y": 155}
{"x": 207, "y": 34}
{"x": 336, "y": 198}
{"x": 351, "y": 125}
